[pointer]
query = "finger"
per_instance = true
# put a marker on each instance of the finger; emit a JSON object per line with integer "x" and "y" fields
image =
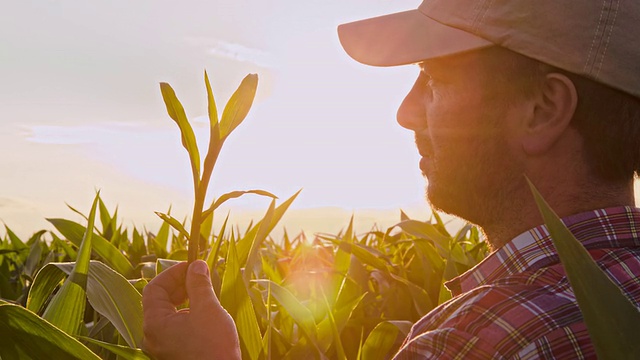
{"x": 202, "y": 298}
{"x": 165, "y": 292}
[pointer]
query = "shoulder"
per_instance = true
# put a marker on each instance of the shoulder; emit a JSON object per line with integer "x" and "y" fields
{"x": 502, "y": 318}
{"x": 533, "y": 314}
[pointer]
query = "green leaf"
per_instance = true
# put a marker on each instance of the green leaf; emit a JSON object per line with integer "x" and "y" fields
{"x": 341, "y": 316}
{"x": 174, "y": 223}
{"x": 211, "y": 102}
{"x": 212, "y": 257}
{"x": 296, "y": 310}
{"x": 18, "y": 245}
{"x": 385, "y": 339}
{"x": 235, "y": 299}
{"x": 162, "y": 238}
{"x": 367, "y": 255}
{"x": 426, "y": 231}
{"x": 109, "y": 253}
{"x": 232, "y": 195}
{"x": 69, "y": 251}
{"x": 163, "y": 264}
{"x": 263, "y": 231}
{"x": 48, "y": 278}
{"x": 123, "y": 352}
{"x": 239, "y": 105}
{"x": 334, "y": 330}
{"x": 612, "y": 320}
{"x": 266, "y": 339}
{"x": 66, "y": 309}
{"x": 419, "y": 296}
{"x": 215, "y": 140}
{"x": 22, "y": 331}
{"x": 33, "y": 259}
{"x": 176, "y": 112}
{"x": 115, "y": 298}
{"x": 244, "y": 245}
{"x": 109, "y": 293}
{"x": 105, "y": 219}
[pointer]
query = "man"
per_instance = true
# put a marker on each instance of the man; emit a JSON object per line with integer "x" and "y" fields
{"x": 548, "y": 89}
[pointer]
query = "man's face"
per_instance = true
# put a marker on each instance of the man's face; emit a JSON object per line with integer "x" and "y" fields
{"x": 461, "y": 116}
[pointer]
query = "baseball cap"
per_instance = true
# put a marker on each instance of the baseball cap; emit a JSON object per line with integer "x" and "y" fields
{"x": 596, "y": 39}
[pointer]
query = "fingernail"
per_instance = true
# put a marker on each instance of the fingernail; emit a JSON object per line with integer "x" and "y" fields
{"x": 200, "y": 268}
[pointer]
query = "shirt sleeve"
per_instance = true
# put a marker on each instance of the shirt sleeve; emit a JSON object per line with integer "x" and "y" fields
{"x": 447, "y": 343}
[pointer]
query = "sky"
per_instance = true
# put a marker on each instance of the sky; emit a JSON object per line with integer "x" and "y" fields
{"x": 82, "y": 111}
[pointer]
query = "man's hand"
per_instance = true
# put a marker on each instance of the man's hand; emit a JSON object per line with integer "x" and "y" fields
{"x": 204, "y": 331}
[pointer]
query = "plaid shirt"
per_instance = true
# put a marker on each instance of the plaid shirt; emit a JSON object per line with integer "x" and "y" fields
{"x": 518, "y": 304}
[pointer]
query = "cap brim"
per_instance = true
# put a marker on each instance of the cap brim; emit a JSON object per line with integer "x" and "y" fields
{"x": 404, "y": 38}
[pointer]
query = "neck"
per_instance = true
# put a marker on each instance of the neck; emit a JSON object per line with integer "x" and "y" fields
{"x": 565, "y": 198}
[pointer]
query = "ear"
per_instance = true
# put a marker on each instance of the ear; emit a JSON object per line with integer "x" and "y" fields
{"x": 554, "y": 106}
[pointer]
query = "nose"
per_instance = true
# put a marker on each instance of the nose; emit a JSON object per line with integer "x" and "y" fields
{"x": 412, "y": 112}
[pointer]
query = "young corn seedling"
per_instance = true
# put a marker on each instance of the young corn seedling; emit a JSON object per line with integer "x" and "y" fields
{"x": 234, "y": 113}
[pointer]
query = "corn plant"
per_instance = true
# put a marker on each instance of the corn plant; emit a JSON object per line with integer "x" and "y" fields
{"x": 233, "y": 115}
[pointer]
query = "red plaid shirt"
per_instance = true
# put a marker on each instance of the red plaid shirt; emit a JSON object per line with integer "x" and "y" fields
{"x": 517, "y": 303}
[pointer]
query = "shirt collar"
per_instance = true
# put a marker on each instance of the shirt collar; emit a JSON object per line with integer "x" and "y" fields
{"x": 604, "y": 228}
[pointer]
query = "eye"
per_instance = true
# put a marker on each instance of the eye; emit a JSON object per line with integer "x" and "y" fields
{"x": 427, "y": 80}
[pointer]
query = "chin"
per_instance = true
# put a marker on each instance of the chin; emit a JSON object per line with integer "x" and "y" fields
{"x": 453, "y": 204}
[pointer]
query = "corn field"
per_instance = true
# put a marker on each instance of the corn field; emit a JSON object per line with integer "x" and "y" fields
{"x": 75, "y": 292}
{"x": 334, "y": 296}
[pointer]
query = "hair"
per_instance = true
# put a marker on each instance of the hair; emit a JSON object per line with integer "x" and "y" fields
{"x": 608, "y": 119}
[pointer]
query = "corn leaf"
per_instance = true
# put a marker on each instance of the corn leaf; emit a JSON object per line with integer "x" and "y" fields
{"x": 340, "y": 316}
{"x": 107, "y": 251}
{"x": 162, "y": 238}
{"x": 239, "y": 105}
{"x": 109, "y": 293}
{"x": 266, "y": 339}
{"x": 115, "y": 298}
{"x": 66, "y": 309}
{"x": 24, "y": 333}
{"x": 212, "y": 257}
{"x": 211, "y": 102}
{"x": 298, "y": 312}
{"x": 174, "y": 223}
{"x": 420, "y": 298}
{"x": 263, "y": 231}
{"x": 337, "y": 342}
{"x": 365, "y": 254}
{"x": 426, "y": 231}
{"x": 612, "y": 320}
{"x": 33, "y": 259}
{"x": 215, "y": 140}
{"x": 176, "y": 112}
{"x": 385, "y": 339}
{"x": 235, "y": 299}
{"x": 105, "y": 218}
{"x": 123, "y": 352}
{"x": 18, "y": 245}
{"x": 232, "y": 195}
{"x": 244, "y": 245}
{"x": 48, "y": 278}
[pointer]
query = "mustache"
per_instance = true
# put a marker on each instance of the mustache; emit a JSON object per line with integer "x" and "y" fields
{"x": 424, "y": 145}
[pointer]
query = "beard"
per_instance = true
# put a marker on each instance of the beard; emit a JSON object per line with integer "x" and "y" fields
{"x": 472, "y": 178}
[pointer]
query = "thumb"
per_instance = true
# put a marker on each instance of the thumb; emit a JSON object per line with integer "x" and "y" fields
{"x": 199, "y": 288}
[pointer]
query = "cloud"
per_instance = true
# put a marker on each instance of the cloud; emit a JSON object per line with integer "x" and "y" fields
{"x": 7, "y": 202}
{"x": 234, "y": 51}
{"x": 74, "y": 135}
